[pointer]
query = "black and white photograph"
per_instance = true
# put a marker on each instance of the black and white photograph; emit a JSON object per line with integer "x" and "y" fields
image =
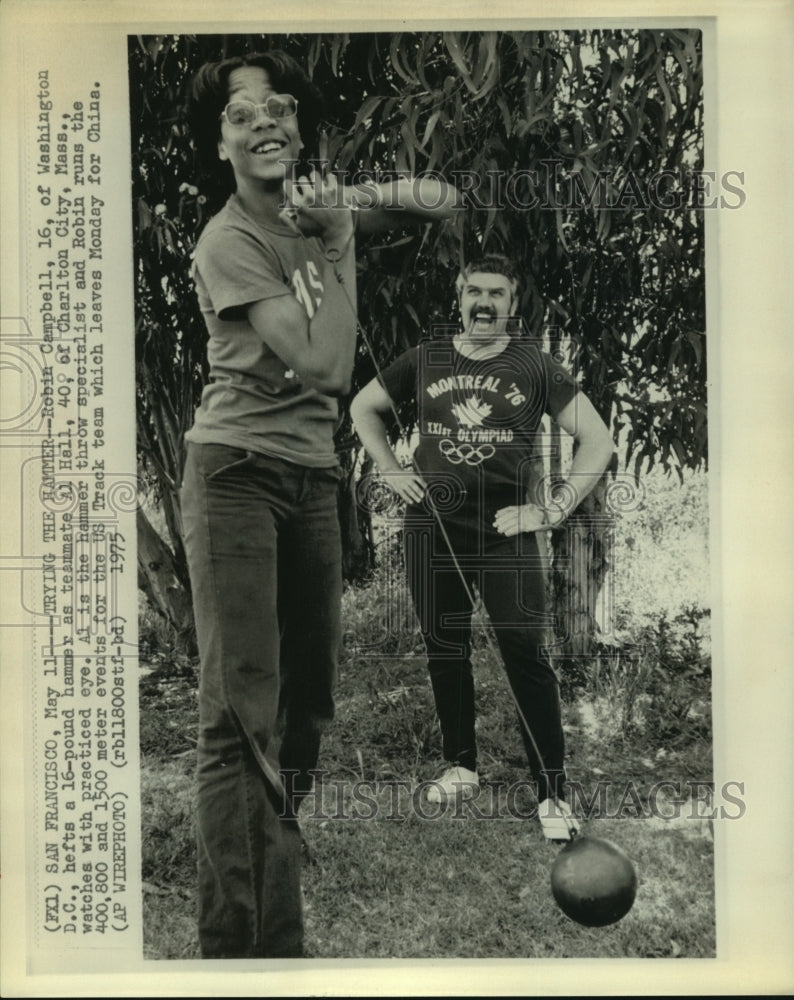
{"x": 390, "y": 475}
{"x": 421, "y": 355}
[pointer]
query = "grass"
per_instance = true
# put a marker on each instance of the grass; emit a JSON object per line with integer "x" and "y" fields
{"x": 400, "y": 886}
{"x": 482, "y": 890}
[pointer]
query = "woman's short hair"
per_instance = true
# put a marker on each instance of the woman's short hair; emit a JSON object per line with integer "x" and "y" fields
{"x": 208, "y": 95}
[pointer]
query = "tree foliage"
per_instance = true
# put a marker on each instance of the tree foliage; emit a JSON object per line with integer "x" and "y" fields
{"x": 579, "y": 153}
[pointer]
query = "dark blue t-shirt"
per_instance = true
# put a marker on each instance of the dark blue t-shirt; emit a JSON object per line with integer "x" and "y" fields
{"x": 478, "y": 420}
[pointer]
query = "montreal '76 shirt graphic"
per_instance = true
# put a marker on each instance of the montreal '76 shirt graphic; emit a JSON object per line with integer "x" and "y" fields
{"x": 479, "y": 419}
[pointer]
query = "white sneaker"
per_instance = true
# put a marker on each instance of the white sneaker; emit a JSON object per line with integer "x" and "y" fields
{"x": 455, "y": 783}
{"x": 557, "y": 821}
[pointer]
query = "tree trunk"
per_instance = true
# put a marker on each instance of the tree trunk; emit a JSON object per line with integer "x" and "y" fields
{"x": 355, "y": 522}
{"x": 582, "y": 604}
{"x": 158, "y": 578}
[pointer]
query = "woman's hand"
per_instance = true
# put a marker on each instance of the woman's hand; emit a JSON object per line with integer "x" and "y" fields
{"x": 528, "y": 517}
{"x": 317, "y": 207}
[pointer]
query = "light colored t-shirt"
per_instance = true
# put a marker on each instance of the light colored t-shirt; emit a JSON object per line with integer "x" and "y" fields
{"x": 253, "y": 400}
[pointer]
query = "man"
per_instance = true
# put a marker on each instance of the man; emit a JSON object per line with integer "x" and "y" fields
{"x": 480, "y": 398}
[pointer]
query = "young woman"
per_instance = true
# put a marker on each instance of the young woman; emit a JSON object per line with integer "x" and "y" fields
{"x": 275, "y": 278}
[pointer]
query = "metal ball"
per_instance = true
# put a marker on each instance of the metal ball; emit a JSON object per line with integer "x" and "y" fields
{"x": 593, "y": 882}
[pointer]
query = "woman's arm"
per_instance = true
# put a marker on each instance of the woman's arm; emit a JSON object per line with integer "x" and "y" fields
{"x": 410, "y": 199}
{"x": 321, "y": 349}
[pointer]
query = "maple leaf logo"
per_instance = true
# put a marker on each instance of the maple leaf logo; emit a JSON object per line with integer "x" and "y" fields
{"x": 472, "y": 412}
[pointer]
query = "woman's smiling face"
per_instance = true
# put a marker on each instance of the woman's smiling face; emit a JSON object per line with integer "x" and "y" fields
{"x": 263, "y": 150}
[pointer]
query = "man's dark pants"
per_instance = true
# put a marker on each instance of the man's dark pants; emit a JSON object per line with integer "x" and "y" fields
{"x": 509, "y": 576}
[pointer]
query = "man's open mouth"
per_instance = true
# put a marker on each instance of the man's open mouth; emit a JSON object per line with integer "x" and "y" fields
{"x": 483, "y": 317}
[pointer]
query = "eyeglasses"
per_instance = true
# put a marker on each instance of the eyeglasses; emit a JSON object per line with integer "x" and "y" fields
{"x": 246, "y": 112}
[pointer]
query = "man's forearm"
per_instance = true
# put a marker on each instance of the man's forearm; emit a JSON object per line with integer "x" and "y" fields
{"x": 591, "y": 460}
{"x": 371, "y": 431}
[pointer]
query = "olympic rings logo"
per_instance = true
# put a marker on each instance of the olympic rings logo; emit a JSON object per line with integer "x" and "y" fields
{"x": 465, "y": 453}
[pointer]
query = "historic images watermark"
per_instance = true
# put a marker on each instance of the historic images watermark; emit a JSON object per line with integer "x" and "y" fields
{"x": 552, "y": 185}
{"x": 396, "y": 800}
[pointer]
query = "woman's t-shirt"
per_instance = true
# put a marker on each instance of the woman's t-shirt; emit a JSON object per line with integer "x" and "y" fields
{"x": 253, "y": 400}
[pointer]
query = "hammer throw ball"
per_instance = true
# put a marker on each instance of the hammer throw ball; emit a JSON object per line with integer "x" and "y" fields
{"x": 593, "y": 882}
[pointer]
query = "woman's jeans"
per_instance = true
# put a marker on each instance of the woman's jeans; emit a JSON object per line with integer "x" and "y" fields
{"x": 509, "y": 576}
{"x": 263, "y": 549}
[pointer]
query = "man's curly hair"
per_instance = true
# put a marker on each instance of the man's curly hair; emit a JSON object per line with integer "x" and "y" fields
{"x": 492, "y": 263}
